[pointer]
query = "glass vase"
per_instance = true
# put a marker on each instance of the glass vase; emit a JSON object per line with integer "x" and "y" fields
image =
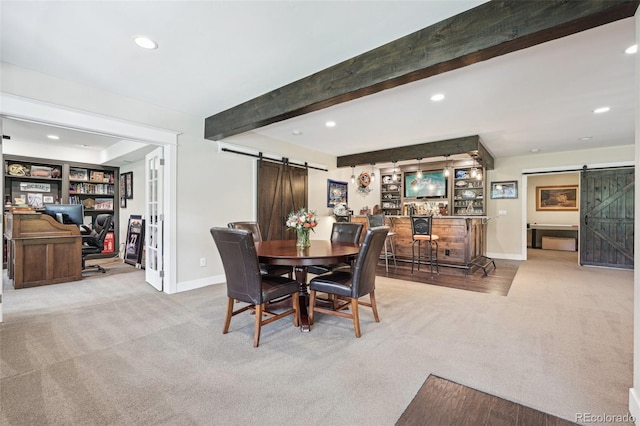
{"x": 303, "y": 238}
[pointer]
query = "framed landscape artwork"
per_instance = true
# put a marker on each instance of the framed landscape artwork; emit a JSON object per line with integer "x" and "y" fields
{"x": 557, "y": 198}
{"x": 505, "y": 189}
{"x": 336, "y": 193}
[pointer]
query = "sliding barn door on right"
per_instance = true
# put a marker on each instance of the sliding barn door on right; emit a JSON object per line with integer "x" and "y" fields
{"x": 607, "y": 217}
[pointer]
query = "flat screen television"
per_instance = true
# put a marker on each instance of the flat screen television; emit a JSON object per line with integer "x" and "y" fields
{"x": 430, "y": 185}
{"x": 69, "y": 214}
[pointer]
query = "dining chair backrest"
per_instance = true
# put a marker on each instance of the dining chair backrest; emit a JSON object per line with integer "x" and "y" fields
{"x": 240, "y": 262}
{"x": 252, "y": 227}
{"x": 346, "y": 232}
{"x": 364, "y": 270}
{"x": 421, "y": 225}
{"x": 375, "y": 220}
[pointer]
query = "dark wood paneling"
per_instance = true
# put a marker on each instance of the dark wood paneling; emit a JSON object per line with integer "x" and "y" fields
{"x": 492, "y": 29}
{"x": 466, "y": 145}
{"x": 281, "y": 189}
{"x": 607, "y": 217}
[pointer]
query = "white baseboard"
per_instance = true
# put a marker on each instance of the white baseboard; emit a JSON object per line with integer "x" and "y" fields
{"x": 634, "y": 404}
{"x": 507, "y": 256}
{"x": 201, "y": 282}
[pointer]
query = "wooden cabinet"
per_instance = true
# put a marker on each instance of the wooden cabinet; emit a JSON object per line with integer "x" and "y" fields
{"x": 41, "y": 251}
{"x": 468, "y": 191}
{"x": 35, "y": 182}
{"x": 391, "y": 194}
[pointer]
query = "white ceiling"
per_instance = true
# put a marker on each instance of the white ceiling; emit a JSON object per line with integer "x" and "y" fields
{"x": 217, "y": 54}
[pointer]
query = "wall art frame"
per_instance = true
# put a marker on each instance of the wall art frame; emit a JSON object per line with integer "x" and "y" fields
{"x": 557, "y": 198}
{"x": 337, "y": 193}
{"x": 506, "y": 189}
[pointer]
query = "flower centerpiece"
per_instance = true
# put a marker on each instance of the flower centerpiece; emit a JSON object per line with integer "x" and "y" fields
{"x": 302, "y": 221}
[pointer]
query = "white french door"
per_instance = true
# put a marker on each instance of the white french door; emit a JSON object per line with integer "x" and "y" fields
{"x": 154, "y": 270}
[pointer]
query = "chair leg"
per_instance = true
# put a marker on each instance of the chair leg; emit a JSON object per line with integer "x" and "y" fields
{"x": 393, "y": 253}
{"x": 356, "y": 316}
{"x": 312, "y": 304}
{"x": 296, "y": 308}
{"x": 413, "y": 254}
{"x": 374, "y": 308}
{"x": 256, "y": 333}
{"x": 386, "y": 256}
{"x": 227, "y": 319}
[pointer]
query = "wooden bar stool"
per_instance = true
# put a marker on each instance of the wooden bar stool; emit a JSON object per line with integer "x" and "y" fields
{"x": 421, "y": 230}
{"x": 375, "y": 220}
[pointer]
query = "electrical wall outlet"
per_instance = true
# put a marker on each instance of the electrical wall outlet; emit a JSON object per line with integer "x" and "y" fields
{"x": 203, "y": 261}
{"x": 447, "y": 252}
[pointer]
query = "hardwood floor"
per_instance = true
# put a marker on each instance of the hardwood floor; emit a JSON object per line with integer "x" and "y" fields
{"x": 440, "y": 402}
{"x": 498, "y": 280}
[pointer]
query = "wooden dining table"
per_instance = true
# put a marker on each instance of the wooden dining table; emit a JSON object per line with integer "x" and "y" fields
{"x": 321, "y": 252}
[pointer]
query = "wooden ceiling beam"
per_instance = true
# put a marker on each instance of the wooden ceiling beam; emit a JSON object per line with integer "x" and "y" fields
{"x": 467, "y": 145}
{"x": 486, "y": 31}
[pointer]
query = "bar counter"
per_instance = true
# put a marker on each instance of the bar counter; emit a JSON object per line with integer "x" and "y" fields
{"x": 461, "y": 243}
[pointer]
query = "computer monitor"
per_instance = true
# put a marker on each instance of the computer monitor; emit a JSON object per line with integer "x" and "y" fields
{"x": 69, "y": 214}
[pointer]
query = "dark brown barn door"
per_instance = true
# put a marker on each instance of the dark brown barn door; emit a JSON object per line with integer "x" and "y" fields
{"x": 282, "y": 188}
{"x": 606, "y": 217}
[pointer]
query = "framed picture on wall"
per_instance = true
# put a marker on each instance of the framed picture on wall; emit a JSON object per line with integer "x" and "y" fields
{"x": 126, "y": 185}
{"x": 336, "y": 193}
{"x": 504, "y": 189}
{"x": 557, "y": 198}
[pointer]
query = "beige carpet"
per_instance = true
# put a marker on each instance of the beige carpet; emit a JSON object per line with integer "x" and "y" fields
{"x": 114, "y": 351}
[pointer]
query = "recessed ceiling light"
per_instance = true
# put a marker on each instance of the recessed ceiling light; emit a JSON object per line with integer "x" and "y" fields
{"x": 145, "y": 42}
{"x": 330, "y": 124}
{"x": 601, "y": 110}
{"x": 535, "y": 150}
{"x": 296, "y": 132}
{"x": 437, "y": 97}
{"x": 631, "y": 49}
{"x": 585, "y": 138}
{"x": 54, "y": 137}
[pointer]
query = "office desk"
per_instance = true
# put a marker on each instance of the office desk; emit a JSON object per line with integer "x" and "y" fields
{"x": 553, "y": 230}
{"x": 41, "y": 251}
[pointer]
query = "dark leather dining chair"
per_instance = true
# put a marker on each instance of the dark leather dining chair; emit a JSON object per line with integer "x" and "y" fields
{"x": 375, "y": 220}
{"x": 245, "y": 282}
{"x": 94, "y": 242}
{"x": 346, "y": 232}
{"x": 351, "y": 285}
{"x": 265, "y": 269}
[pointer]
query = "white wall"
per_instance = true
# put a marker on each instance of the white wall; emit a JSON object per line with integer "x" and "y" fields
{"x": 551, "y": 217}
{"x": 505, "y": 233}
{"x": 135, "y": 206}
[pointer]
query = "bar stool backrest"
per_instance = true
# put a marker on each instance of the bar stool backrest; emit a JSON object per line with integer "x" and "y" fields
{"x": 375, "y": 220}
{"x": 421, "y": 225}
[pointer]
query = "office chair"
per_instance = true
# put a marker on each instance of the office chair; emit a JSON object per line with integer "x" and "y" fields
{"x": 94, "y": 242}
